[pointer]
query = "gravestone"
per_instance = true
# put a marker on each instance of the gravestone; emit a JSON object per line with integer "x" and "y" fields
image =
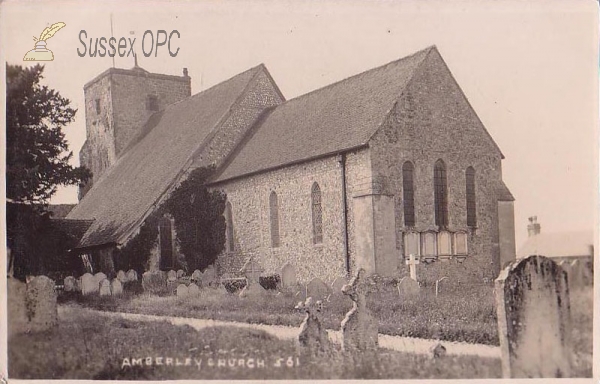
{"x": 89, "y": 285}
{"x": 359, "y": 327}
{"x": 70, "y": 284}
{"x": 116, "y": 287}
{"x": 444, "y": 243}
{"x": 408, "y": 287}
{"x": 132, "y": 275}
{"x": 252, "y": 271}
{"x": 460, "y": 243}
{"x": 154, "y": 282}
{"x": 17, "y": 320}
{"x": 182, "y": 290}
{"x": 180, "y": 273}
{"x": 122, "y": 276}
{"x": 317, "y": 289}
{"x": 337, "y": 285}
{"x": 105, "y": 288}
{"x": 288, "y": 276}
{"x": 171, "y": 275}
{"x": 313, "y": 334}
{"x": 193, "y": 290}
{"x": 209, "y": 277}
{"x": 429, "y": 247}
{"x": 532, "y": 298}
{"x": 40, "y": 304}
{"x": 99, "y": 277}
{"x": 197, "y": 276}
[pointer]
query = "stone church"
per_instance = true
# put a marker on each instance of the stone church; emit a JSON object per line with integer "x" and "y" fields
{"x": 364, "y": 172}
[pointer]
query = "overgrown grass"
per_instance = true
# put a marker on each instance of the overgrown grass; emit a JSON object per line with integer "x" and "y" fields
{"x": 86, "y": 346}
{"x": 467, "y": 315}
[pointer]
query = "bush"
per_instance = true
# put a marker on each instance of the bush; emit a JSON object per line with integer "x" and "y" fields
{"x": 270, "y": 282}
{"x": 233, "y": 286}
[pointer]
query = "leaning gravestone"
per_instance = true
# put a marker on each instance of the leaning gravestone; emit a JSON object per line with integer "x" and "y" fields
{"x": 288, "y": 276}
{"x": 89, "y": 285}
{"x": 132, "y": 275}
{"x": 317, "y": 289}
{"x": 359, "y": 327}
{"x": 313, "y": 334}
{"x": 252, "y": 271}
{"x": 116, "y": 287}
{"x": 40, "y": 303}
{"x": 532, "y": 298}
{"x": 122, "y": 276}
{"x": 105, "y": 288}
{"x": 70, "y": 284}
{"x": 408, "y": 287}
{"x": 154, "y": 282}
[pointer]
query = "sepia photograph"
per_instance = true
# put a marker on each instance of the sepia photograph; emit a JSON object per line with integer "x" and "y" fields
{"x": 276, "y": 190}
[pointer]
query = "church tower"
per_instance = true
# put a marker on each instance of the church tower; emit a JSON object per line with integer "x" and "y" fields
{"x": 118, "y": 102}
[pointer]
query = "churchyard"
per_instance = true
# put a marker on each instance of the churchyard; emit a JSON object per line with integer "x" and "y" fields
{"x": 517, "y": 311}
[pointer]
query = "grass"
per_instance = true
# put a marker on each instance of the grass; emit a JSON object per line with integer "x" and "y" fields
{"x": 85, "y": 346}
{"x": 468, "y": 315}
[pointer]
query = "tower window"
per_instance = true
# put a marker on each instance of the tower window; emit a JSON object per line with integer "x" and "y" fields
{"x": 440, "y": 183}
{"x": 408, "y": 194}
{"x": 97, "y": 104}
{"x": 152, "y": 103}
{"x": 471, "y": 202}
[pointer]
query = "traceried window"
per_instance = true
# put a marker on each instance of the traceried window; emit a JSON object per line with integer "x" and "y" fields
{"x": 165, "y": 233}
{"x": 440, "y": 182}
{"x": 317, "y": 214}
{"x": 471, "y": 202}
{"x": 408, "y": 193}
{"x": 229, "y": 241}
{"x": 274, "y": 214}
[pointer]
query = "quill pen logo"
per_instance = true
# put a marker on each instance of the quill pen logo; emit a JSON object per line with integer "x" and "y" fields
{"x": 40, "y": 52}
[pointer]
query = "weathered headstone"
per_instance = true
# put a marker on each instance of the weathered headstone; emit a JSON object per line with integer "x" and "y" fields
{"x": 122, "y": 276}
{"x": 193, "y": 290}
{"x": 252, "y": 271}
{"x": 132, "y": 275}
{"x": 154, "y": 282}
{"x": 337, "y": 285}
{"x": 408, "y": 287}
{"x": 41, "y": 303}
{"x": 317, "y": 289}
{"x": 209, "y": 277}
{"x": 313, "y": 334}
{"x": 171, "y": 275}
{"x": 180, "y": 273}
{"x": 105, "y": 288}
{"x": 116, "y": 287}
{"x": 70, "y": 284}
{"x": 532, "y": 298}
{"x": 359, "y": 327}
{"x": 197, "y": 276}
{"x": 288, "y": 276}
{"x": 182, "y": 290}
{"x": 89, "y": 285}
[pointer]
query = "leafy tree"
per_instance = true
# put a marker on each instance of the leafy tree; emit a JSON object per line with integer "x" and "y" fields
{"x": 37, "y": 162}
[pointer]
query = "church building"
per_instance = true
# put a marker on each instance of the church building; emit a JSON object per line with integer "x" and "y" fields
{"x": 364, "y": 172}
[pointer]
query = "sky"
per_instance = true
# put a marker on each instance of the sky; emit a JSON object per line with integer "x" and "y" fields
{"x": 529, "y": 69}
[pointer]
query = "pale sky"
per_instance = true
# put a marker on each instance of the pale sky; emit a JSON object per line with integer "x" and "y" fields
{"x": 529, "y": 69}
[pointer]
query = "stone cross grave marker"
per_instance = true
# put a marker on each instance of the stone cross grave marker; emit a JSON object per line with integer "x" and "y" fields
{"x": 532, "y": 298}
{"x": 116, "y": 287}
{"x": 412, "y": 263}
{"x": 252, "y": 271}
{"x": 313, "y": 334}
{"x": 288, "y": 276}
{"x": 359, "y": 327}
{"x": 89, "y": 284}
{"x": 41, "y": 303}
{"x": 105, "y": 288}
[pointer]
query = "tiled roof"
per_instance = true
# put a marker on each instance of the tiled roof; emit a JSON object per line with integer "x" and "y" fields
{"x": 119, "y": 200}
{"x": 560, "y": 244}
{"x": 333, "y": 119}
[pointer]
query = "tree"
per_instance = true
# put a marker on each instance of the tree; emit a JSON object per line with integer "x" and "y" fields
{"x": 37, "y": 162}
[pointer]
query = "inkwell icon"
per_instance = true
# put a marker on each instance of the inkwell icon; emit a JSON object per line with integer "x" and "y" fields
{"x": 40, "y": 52}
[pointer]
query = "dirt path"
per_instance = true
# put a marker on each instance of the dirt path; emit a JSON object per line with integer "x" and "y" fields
{"x": 397, "y": 343}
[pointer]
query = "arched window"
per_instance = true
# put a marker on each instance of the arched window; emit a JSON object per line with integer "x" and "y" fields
{"x": 441, "y": 194}
{"x": 229, "y": 243}
{"x": 274, "y": 214}
{"x": 165, "y": 233}
{"x": 471, "y": 202}
{"x": 317, "y": 214}
{"x": 408, "y": 194}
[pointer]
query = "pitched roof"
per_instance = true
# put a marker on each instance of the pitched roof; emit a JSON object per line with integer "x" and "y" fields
{"x": 560, "y": 244}
{"x": 503, "y": 193}
{"x": 333, "y": 119}
{"x": 60, "y": 211}
{"x": 119, "y": 200}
